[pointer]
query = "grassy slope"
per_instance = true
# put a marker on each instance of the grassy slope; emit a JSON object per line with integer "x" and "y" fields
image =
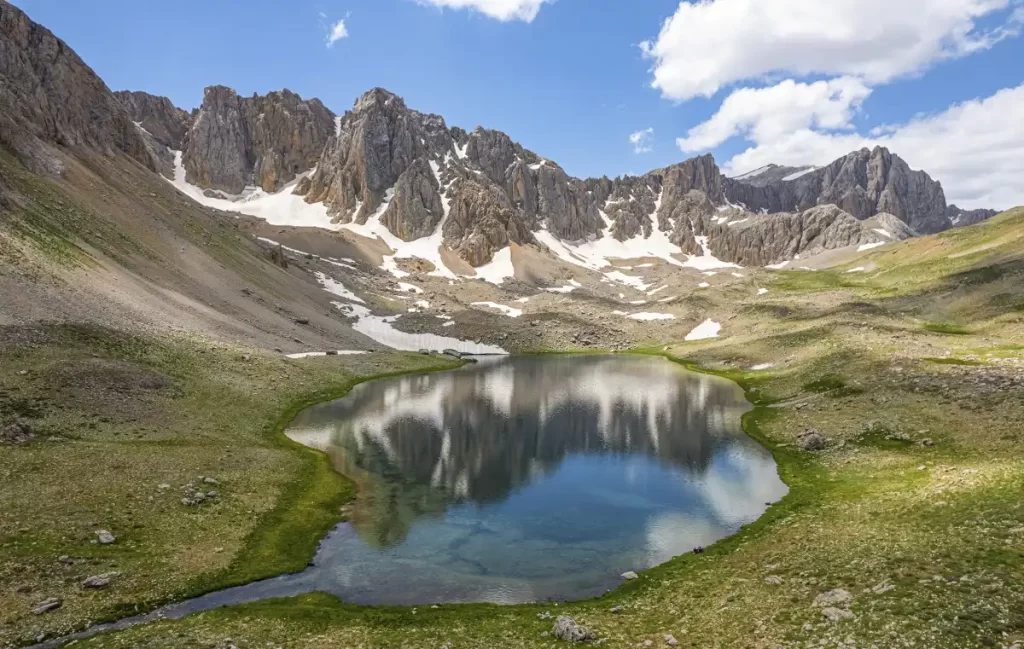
{"x": 854, "y": 357}
{"x": 118, "y": 416}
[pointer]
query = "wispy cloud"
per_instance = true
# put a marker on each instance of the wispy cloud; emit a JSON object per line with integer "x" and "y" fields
{"x": 643, "y": 141}
{"x": 337, "y": 32}
{"x": 525, "y": 10}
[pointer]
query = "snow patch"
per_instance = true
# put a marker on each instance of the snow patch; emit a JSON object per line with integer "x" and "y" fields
{"x": 335, "y": 287}
{"x": 762, "y": 291}
{"x": 799, "y": 174}
{"x": 763, "y": 366}
{"x": 651, "y": 316}
{"x": 340, "y": 352}
{"x": 858, "y": 269}
{"x": 778, "y": 266}
{"x": 499, "y": 269}
{"x": 703, "y": 285}
{"x": 410, "y": 288}
{"x": 707, "y": 329}
{"x": 280, "y": 208}
{"x": 870, "y": 246}
{"x": 382, "y": 330}
{"x": 507, "y": 310}
{"x": 884, "y": 233}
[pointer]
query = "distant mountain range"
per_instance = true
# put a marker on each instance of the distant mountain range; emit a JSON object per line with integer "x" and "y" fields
{"x": 473, "y": 194}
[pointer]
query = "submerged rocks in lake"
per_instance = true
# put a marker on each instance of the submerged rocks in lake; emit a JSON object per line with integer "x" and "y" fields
{"x": 565, "y": 628}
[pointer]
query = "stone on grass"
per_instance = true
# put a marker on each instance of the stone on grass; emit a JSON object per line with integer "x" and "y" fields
{"x": 16, "y": 433}
{"x": 565, "y": 628}
{"x": 630, "y": 576}
{"x": 837, "y": 614}
{"x": 105, "y": 537}
{"x": 47, "y": 605}
{"x": 670, "y": 640}
{"x": 99, "y": 581}
{"x": 812, "y": 440}
{"x": 773, "y": 580}
{"x": 837, "y": 597}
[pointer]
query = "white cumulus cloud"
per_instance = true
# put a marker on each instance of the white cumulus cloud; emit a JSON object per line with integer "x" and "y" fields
{"x": 525, "y": 10}
{"x": 707, "y": 45}
{"x": 765, "y": 114}
{"x": 643, "y": 140}
{"x": 337, "y": 32}
{"x": 975, "y": 148}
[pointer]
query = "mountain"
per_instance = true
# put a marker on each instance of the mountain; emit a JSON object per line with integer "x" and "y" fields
{"x": 90, "y": 234}
{"x": 959, "y": 218}
{"x": 478, "y": 192}
{"x": 863, "y": 183}
{"x": 50, "y": 98}
{"x": 167, "y": 123}
{"x": 264, "y": 141}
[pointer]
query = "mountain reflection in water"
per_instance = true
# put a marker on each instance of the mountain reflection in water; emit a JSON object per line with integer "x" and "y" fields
{"x": 530, "y": 478}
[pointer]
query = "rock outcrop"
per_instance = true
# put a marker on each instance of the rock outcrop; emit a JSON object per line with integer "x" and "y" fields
{"x": 167, "y": 123}
{"x": 265, "y": 141}
{"x": 962, "y": 218}
{"x": 765, "y": 240}
{"x": 863, "y": 183}
{"x": 50, "y": 98}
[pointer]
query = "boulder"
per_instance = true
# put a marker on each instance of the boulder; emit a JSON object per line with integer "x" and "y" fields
{"x": 566, "y": 629}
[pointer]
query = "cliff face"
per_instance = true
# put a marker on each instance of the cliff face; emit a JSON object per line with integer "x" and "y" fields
{"x": 167, "y": 123}
{"x": 264, "y": 141}
{"x": 863, "y": 183}
{"x": 50, "y": 97}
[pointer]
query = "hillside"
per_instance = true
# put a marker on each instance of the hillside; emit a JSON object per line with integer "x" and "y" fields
{"x": 175, "y": 287}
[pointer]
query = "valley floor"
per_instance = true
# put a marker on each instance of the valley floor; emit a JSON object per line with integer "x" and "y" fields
{"x": 914, "y": 509}
{"x": 912, "y": 369}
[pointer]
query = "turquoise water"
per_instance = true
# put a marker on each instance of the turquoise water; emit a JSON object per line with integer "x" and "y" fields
{"x": 530, "y": 479}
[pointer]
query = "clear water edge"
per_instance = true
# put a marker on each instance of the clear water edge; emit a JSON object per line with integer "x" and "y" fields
{"x": 324, "y": 575}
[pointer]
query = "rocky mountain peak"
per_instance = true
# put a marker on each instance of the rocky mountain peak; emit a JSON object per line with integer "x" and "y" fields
{"x": 264, "y": 141}
{"x": 50, "y": 98}
{"x": 167, "y": 123}
{"x": 863, "y": 183}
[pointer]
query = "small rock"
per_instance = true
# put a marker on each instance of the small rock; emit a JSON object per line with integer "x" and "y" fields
{"x": 773, "y": 580}
{"x": 23, "y": 373}
{"x": 66, "y": 560}
{"x": 837, "y": 597}
{"x": 630, "y": 576}
{"x": 615, "y": 609}
{"x": 670, "y": 640}
{"x": 812, "y": 440}
{"x": 928, "y": 442}
{"x": 98, "y": 581}
{"x": 17, "y": 433}
{"x": 565, "y": 628}
{"x": 837, "y": 614}
{"x": 105, "y": 537}
{"x": 210, "y": 480}
{"x": 883, "y": 588}
{"x": 546, "y": 615}
{"x": 302, "y": 321}
{"x": 163, "y": 487}
{"x": 211, "y": 494}
{"x": 46, "y": 606}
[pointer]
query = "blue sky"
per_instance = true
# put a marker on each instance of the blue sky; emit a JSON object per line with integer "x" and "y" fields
{"x": 569, "y": 79}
